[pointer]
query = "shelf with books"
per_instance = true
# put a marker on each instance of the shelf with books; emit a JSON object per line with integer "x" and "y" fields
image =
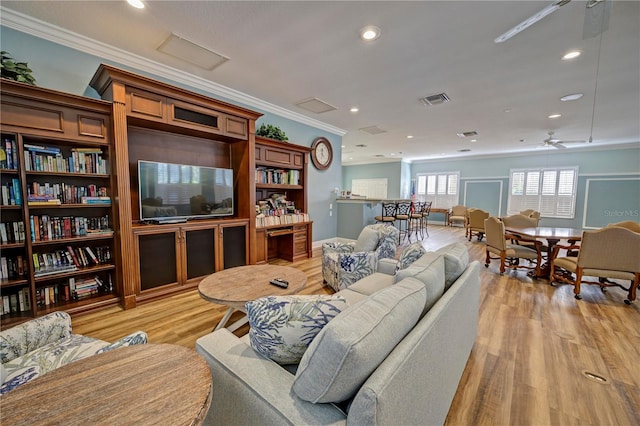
{"x": 277, "y": 186}
{"x": 61, "y": 150}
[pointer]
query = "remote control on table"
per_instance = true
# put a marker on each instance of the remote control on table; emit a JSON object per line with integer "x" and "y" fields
{"x": 280, "y": 282}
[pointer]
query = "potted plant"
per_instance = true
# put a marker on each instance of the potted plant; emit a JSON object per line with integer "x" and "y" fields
{"x": 17, "y": 71}
{"x": 271, "y": 132}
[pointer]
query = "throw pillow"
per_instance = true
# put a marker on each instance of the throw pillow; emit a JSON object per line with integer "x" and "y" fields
{"x": 282, "y": 327}
{"x": 345, "y": 353}
{"x": 456, "y": 260}
{"x": 367, "y": 240}
{"x": 409, "y": 255}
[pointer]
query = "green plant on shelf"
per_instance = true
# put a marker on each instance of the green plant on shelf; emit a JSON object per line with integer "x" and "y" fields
{"x": 271, "y": 132}
{"x": 17, "y": 71}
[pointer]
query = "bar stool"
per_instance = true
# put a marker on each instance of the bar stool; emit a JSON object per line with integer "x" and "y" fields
{"x": 403, "y": 211}
{"x": 415, "y": 219}
{"x": 388, "y": 214}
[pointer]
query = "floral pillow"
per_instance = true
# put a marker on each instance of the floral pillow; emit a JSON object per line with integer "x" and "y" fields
{"x": 282, "y": 327}
{"x": 409, "y": 255}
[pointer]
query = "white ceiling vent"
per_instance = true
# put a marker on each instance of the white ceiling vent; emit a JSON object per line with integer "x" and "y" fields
{"x": 436, "y": 99}
{"x": 373, "y": 130}
{"x": 467, "y": 134}
{"x": 185, "y": 50}
{"x": 315, "y": 105}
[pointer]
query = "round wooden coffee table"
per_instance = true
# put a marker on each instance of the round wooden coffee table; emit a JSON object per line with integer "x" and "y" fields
{"x": 234, "y": 287}
{"x": 138, "y": 385}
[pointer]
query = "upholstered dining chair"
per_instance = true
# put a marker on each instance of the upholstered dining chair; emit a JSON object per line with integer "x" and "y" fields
{"x": 345, "y": 263}
{"x": 509, "y": 254}
{"x": 475, "y": 224}
{"x": 629, "y": 224}
{"x": 531, "y": 213}
{"x": 610, "y": 253}
{"x": 458, "y": 215}
{"x": 523, "y": 221}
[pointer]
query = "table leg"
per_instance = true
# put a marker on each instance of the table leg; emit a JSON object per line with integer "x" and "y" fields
{"x": 233, "y": 327}
{"x": 224, "y": 319}
{"x": 545, "y": 269}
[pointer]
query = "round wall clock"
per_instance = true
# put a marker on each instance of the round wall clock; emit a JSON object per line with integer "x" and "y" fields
{"x": 321, "y": 153}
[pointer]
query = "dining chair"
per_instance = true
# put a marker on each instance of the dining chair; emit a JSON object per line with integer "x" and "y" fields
{"x": 475, "y": 223}
{"x": 457, "y": 214}
{"x": 609, "y": 254}
{"x": 531, "y": 213}
{"x": 523, "y": 221}
{"x": 509, "y": 254}
{"x": 629, "y": 224}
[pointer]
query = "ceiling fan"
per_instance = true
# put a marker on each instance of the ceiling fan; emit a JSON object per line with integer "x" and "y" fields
{"x": 557, "y": 143}
{"x": 596, "y": 19}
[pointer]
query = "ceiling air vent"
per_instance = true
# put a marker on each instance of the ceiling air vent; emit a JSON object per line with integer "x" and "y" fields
{"x": 373, "y": 130}
{"x": 437, "y": 99}
{"x": 316, "y": 105}
{"x": 464, "y": 150}
{"x": 188, "y": 51}
{"x": 467, "y": 134}
{"x": 361, "y": 145}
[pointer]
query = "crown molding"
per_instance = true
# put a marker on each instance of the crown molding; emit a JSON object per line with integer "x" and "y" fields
{"x": 41, "y": 29}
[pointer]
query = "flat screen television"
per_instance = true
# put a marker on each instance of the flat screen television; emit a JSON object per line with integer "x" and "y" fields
{"x": 170, "y": 191}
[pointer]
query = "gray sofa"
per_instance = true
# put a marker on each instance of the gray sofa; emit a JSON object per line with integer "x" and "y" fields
{"x": 414, "y": 381}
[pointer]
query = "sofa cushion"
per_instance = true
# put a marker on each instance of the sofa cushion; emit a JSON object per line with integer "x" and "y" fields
{"x": 410, "y": 254}
{"x": 367, "y": 240}
{"x": 456, "y": 260}
{"x": 282, "y": 327}
{"x": 350, "y": 348}
{"x": 372, "y": 283}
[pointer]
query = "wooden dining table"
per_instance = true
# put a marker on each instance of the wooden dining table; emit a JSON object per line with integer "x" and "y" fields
{"x": 553, "y": 235}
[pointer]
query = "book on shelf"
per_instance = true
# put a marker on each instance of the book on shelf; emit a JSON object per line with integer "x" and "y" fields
{"x": 95, "y": 200}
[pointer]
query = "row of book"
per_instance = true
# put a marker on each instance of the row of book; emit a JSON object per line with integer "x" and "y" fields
{"x": 262, "y": 221}
{"x": 72, "y": 289}
{"x": 69, "y": 259}
{"x": 45, "y": 227}
{"x": 277, "y": 176}
{"x": 13, "y": 267}
{"x": 66, "y": 194}
{"x": 12, "y": 232}
{"x": 51, "y": 159}
{"x": 19, "y": 301}
{"x": 10, "y": 194}
{"x": 8, "y": 154}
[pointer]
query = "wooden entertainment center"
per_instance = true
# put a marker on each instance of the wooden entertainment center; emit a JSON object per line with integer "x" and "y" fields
{"x": 143, "y": 119}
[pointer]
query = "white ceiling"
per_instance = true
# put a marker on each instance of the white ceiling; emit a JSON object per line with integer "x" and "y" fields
{"x": 285, "y": 52}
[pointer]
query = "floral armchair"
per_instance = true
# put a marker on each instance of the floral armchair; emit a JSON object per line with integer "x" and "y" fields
{"x": 43, "y": 344}
{"x": 345, "y": 263}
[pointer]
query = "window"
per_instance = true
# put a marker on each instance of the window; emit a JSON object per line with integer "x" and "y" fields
{"x": 550, "y": 191}
{"x": 441, "y": 188}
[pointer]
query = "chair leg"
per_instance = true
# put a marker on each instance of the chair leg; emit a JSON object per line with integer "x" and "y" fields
{"x": 576, "y": 284}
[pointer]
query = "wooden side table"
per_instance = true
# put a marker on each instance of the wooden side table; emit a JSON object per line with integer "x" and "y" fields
{"x": 234, "y": 287}
{"x": 141, "y": 384}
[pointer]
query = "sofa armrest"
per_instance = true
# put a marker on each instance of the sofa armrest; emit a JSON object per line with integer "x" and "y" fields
{"x": 387, "y": 266}
{"x": 328, "y": 248}
{"x": 250, "y": 389}
{"x": 137, "y": 338}
{"x": 33, "y": 334}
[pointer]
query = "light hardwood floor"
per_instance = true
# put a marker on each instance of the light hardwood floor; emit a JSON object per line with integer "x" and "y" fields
{"x": 530, "y": 365}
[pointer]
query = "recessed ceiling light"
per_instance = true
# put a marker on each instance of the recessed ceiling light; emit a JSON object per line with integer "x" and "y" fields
{"x": 343, "y": 146}
{"x": 571, "y": 55}
{"x": 572, "y": 97}
{"x": 369, "y": 33}
{"x": 507, "y": 110}
{"x": 409, "y": 136}
{"x": 354, "y": 109}
{"x": 474, "y": 140}
{"x": 555, "y": 116}
{"x": 136, "y": 3}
